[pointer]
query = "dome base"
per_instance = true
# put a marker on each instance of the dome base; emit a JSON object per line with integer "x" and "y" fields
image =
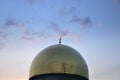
{"x": 57, "y": 76}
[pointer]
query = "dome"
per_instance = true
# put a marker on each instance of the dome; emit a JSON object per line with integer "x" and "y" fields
{"x": 59, "y": 59}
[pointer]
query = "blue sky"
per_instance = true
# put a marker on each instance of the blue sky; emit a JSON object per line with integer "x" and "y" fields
{"x": 92, "y": 27}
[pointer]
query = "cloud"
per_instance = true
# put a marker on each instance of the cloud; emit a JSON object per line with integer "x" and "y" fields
{"x": 3, "y": 38}
{"x": 38, "y": 38}
{"x": 31, "y": 38}
{"x": 34, "y": 36}
{"x": 63, "y": 33}
{"x": 86, "y": 22}
{"x": 34, "y": 1}
{"x": 12, "y": 28}
{"x": 10, "y": 22}
{"x": 83, "y": 22}
{"x": 27, "y": 38}
{"x": 72, "y": 10}
{"x": 75, "y": 19}
{"x": 44, "y": 35}
{"x": 63, "y": 11}
{"x": 2, "y": 35}
{"x": 56, "y": 28}
{"x": 9, "y": 28}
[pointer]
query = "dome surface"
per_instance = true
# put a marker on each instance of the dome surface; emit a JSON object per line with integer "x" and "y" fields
{"x": 59, "y": 59}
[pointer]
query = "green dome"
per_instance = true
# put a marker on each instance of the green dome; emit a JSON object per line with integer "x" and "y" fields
{"x": 59, "y": 59}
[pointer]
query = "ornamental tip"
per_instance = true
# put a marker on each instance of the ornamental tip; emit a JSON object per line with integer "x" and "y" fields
{"x": 60, "y": 40}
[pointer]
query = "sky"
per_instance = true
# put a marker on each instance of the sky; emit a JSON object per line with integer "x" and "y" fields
{"x": 92, "y": 27}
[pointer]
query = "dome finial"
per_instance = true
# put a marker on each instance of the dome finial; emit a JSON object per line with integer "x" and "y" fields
{"x": 60, "y": 40}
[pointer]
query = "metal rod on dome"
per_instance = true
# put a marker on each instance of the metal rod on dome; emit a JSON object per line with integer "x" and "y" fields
{"x": 60, "y": 40}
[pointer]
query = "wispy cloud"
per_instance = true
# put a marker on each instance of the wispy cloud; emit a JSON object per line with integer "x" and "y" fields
{"x": 75, "y": 19}
{"x": 86, "y": 22}
{"x": 44, "y": 36}
{"x": 2, "y": 34}
{"x": 64, "y": 11}
{"x": 3, "y": 38}
{"x": 83, "y": 22}
{"x": 34, "y": 1}
{"x": 63, "y": 33}
{"x": 58, "y": 29}
{"x": 9, "y": 28}
{"x": 15, "y": 27}
{"x": 10, "y": 22}
{"x": 33, "y": 36}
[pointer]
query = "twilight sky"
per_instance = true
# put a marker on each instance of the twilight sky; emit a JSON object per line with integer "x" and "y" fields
{"x": 92, "y": 27}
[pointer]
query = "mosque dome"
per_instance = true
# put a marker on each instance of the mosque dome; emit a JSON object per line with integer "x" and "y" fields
{"x": 59, "y": 59}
